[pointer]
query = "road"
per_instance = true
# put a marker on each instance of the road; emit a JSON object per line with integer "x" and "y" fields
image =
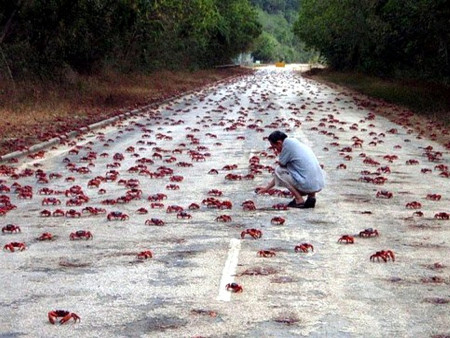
{"x": 334, "y": 290}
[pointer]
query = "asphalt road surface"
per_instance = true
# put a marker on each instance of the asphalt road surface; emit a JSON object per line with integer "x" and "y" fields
{"x": 334, "y": 290}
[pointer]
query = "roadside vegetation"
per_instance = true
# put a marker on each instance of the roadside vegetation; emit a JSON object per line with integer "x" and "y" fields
{"x": 396, "y": 39}
{"x": 430, "y": 100}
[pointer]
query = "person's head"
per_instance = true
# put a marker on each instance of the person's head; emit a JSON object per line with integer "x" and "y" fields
{"x": 276, "y": 139}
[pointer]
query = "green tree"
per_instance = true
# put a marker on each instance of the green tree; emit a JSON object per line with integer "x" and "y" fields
{"x": 44, "y": 36}
{"x": 409, "y": 37}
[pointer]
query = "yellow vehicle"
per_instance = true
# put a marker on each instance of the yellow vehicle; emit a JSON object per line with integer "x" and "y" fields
{"x": 280, "y": 64}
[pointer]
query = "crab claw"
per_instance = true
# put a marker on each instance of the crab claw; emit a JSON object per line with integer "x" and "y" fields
{"x": 70, "y": 315}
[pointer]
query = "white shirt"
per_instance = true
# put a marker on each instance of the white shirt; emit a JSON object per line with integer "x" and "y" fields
{"x": 302, "y": 164}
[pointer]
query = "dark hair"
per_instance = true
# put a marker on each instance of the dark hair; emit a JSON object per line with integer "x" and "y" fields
{"x": 277, "y": 136}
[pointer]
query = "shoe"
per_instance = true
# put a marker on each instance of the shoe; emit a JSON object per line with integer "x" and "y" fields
{"x": 294, "y": 204}
{"x": 309, "y": 204}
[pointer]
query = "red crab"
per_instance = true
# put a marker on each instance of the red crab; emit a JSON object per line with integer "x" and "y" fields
{"x": 45, "y": 191}
{"x": 234, "y": 287}
{"x": 413, "y": 205}
{"x": 176, "y": 178}
{"x": 157, "y": 197}
{"x": 434, "y": 197}
{"x": 184, "y": 215}
{"x": 117, "y": 215}
{"x": 442, "y": 215}
{"x": 11, "y": 246}
{"x": 347, "y": 238}
{"x": 58, "y": 213}
{"x": 11, "y": 228}
{"x": 66, "y": 315}
{"x": 379, "y": 180}
{"x": 46, "y": 236}
{"x": 223, "y": 218}
{"x": 81, "y": 234}
{"x": 213, "y": 172}
{"x": 384, "y": 194}
{"x": 233, "y": 177}
{"x": 142, "y": 211}
{"x": 385, "y": 255}
{"x": 215, "y": 192}
{"x": 73, "y": 213}
{"x": 225, "y": 205}
{"x": 280, "y": 206}
{"x": 254, "y": 233}
{"x": 193, "y": 206}
{"x": 93, "y": 210}
{"x": 154, "y": 221}
{"x": 174, "y": 208}
{"x": 266, "y": 253}
{"x": 145, "y": 254}
{"x": 248, "y": 206}
{"x": 304, "y": 247}
{"x": 45, "y": 213}
{"x": 156, "y": 205}
{"x": 278, "y": 220}
{"x": 51, "y": 200}
{"x": 369, "y": 233}
{"x": 385, "y": 170}
{"x": 172, "y": 187}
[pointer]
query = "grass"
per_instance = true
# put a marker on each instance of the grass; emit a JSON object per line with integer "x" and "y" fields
{"x": 426, "y": 99}
{"x": 31, "y": 112}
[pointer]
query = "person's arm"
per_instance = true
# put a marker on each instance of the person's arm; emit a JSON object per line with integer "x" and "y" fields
{"x": 262, "y": 190}
{"x": 286, "y": 154}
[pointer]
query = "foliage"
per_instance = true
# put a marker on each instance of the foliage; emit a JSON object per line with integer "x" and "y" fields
{"x": 407, "y": 38}
{"x": 278, "y": 42}
{"x": 46, "y": 36}
{"x": 277, "y": 6}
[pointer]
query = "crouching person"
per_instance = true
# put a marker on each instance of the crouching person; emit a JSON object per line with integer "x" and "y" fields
{"x": 299, "y": 170}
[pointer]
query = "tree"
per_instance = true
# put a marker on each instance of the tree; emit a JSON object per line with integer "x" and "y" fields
{"x": 385, "y": 37}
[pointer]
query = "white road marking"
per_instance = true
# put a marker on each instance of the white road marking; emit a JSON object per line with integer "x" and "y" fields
{"x": 229, "y": 270}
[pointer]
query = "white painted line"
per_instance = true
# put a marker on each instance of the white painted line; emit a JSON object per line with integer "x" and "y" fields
{"x": 229, "y": 270}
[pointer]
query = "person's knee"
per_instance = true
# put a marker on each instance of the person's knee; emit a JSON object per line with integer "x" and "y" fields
{"x": 278, "y": 171}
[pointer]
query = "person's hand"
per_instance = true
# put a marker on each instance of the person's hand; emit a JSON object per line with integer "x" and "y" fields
{"x": 275, "y": 150}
